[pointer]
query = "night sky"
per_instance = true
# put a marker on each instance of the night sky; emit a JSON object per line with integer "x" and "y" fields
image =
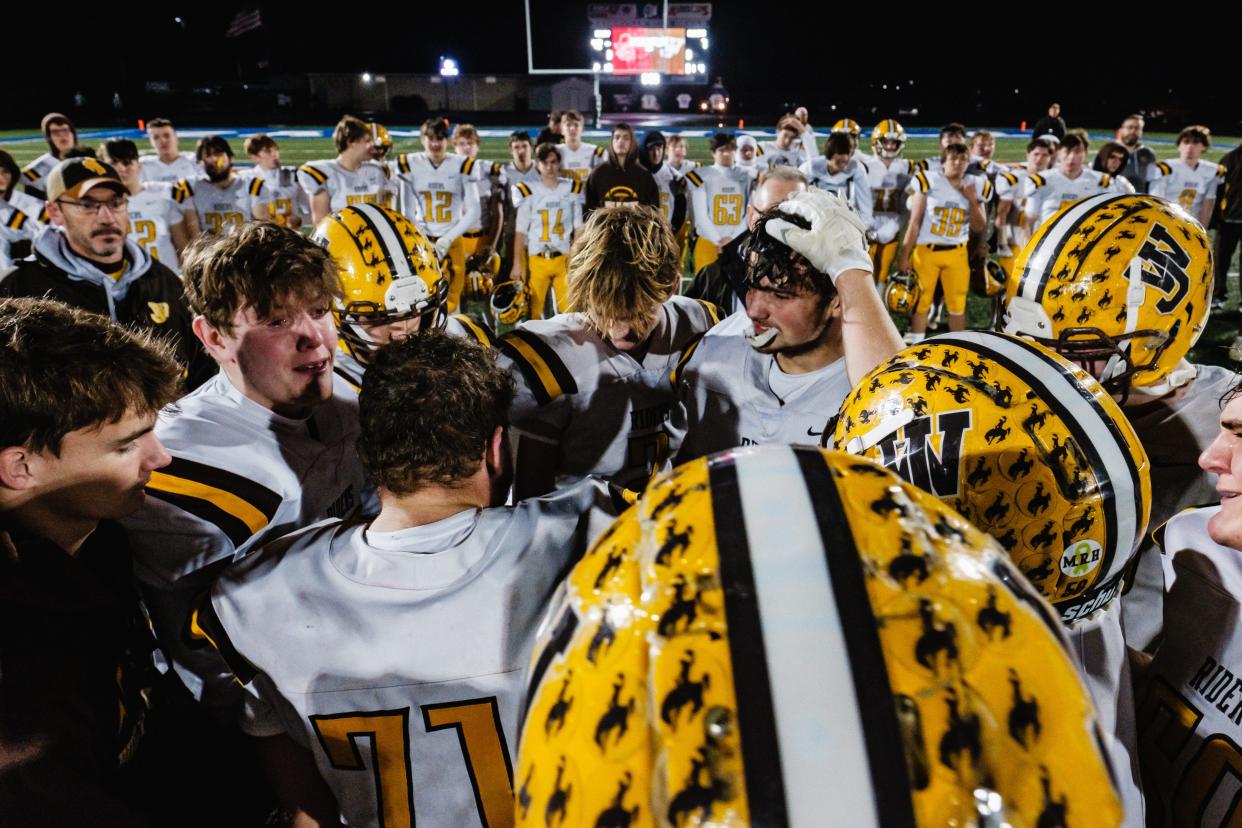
{"x": 964, "y": 66}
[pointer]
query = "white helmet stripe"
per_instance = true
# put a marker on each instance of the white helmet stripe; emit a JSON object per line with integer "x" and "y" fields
{"x": 394, "y": 249}
{"x": 1039, "y": 264}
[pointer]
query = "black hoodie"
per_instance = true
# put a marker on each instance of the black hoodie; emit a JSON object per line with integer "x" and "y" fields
{"x": 626, "y": 182}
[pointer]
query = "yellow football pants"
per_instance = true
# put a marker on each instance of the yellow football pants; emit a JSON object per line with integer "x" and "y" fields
{"x": 882, "y": 256}
{"x": 951, "y": 268}
{"x": 465, "y": 246}
{"x": 543, "y": 273}
{"x": 705, "y": 253}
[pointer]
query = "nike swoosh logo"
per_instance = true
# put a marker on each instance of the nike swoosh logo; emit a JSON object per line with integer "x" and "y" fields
{"x": 810, "y": 433}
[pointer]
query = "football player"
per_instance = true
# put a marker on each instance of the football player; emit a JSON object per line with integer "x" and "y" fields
{"x": 1129, "y": 309}
{"x": 888, "y": 174}
{"x": 156, "y": 223}
{"x": 440, "y": 195}
{"x": 817, "y": 325}
{"x": 289, "y": 201}
{"x": 837, "y": 171}
{"x": 679, "y": 165}
{"x": 594, "y": 393}
{"x": 169, "y": 165}
{"x": 982, "y": 146}
{"x": 1186, "y": 179}
{"x": 21, "y": 214}
{"x": 850, "y": 127}
{"x": 1012, "y": 227}
{"x": 672, "y": 189}
{"x": 414, "y": 628}
{"x": 392, "y": 285}
{"x": 265, "y": 447}
{"x": 1069, "y": 181}
{"x": 549, "y": 216}
{"x": 1189, "y": 703}
{"x": 353, "y": 177}
{"x": 481, "y": 239}
{"x": 794, "y": 145}
{"x": 944, "y": 209}
{"x": 224, "y": 199}
{"x": 578, "y": 158}
{"x": 62, "y": 139}
{"x": 521, "y": 169}
{"x": 719, "y": 194}
{"x": 953, "y": 133}
{"x": 79, "y": 396}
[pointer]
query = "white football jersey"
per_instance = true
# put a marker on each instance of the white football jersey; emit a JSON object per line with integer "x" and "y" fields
{"x": 511, "y": 176}
{"x": 34, "y": 174}
{"x": 664, "y": 178}
{"x": 486, "y": 180}
{"x": 369, "y": 184}
{"x": 408, "y": 648}
{"x": 548, "y": 216}
{"x": 240, "y": 475}
{"x": 1049, "y": 191}
{"x": 152, "y": 212}
{"x": 851, "y": 182}
{"x": 281, "y": 185}
{"x": 609, "y": 413}
{"x": 736, "y": 396}
{"x": 887, "y": 183}
{"x": 22, "y": 216}
{"x": 441, "y": 199}
{"x": 946, "y": 219}
{"x": 578, "y": 163}
{"x": 1190, "y": 698}
{"x": 1188, "y": 186}
{"x": 769, "y": 155}
{"x": 152, "y": 169}
{"x": 720, "y": 195}
{"x": 220, "y": 208}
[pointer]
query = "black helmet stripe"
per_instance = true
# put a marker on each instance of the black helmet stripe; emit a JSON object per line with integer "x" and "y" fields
{"x": 1048, "y": 249}
{"x": 389, "y": 235}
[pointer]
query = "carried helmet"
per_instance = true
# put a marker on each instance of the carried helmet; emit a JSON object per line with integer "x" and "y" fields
{"x": 388, "y": 272}
{"x": 780, "y": 602}
{"x": 509, "y": 302}
{"x": 1120, "y": 282}
{"x": 481, "y": 272}
{"x": 902, "y": 292}
{"x": 1024, "y": 444}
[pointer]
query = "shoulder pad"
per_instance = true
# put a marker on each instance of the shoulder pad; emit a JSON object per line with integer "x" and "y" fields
{"x": 203, "y": 628}
{"x": 921, "y": 178}
{"x": 182, "y": 190}
{"x": 1010, "y": 177}
{"x": 319, "y": 176}
{"x": 523, "y": 188}
{"x": 713, "y": 312}
{"x": 256, "y": 186}
{"x": 1105, "y": 179}
{"x": 695, "y": 178}
{"x": 479, "y": 333}
{"x": 1164, "y": 168}
{"x": 238, "y": 506}
{"x": 758, "y": 149}
{"x": 17, "y": 220}
{"x": 675, "y": 375}
{"x": 31, "y": 174}
{"x": 1038, "y": 179}
{"x": 987, "y": 190}
{"x": 576, "y": 185}
{"x": 598, "y": 152}
{"x": 403, "y": 162}
{"x": 467, "y": 166}
{"x": 544, "y": 371}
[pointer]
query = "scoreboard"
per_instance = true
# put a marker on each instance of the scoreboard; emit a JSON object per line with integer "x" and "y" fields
{"x": 631, "y": 42}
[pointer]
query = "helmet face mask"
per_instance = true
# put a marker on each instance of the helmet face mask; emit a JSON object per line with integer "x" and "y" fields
{"x": 902, "y": 293}
{"x": 509, "y": 302}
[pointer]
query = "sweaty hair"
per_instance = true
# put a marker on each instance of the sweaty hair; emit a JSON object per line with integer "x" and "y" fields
{"x": 1197, "y": 133}
{"x": 10, "y": 166}
{"x": 1074, "y": 139}
{"x": 545, "y": 149}
{"x": 623, "y": 265}
{"x": 956, "y": 148}
{"x": 63, "y": 369}
{"x": 772, "y": 265}
{"x": 258, "y": 264}
{"x": 838, "y": 143}
{"x": 466, "y": 131}
{"x": 462, "y": 394}
{"x": 255, "y": 144}
{"x": 119, "y": 150}
{"x": 348, "y": 130}
{"x": 213, "y": 144}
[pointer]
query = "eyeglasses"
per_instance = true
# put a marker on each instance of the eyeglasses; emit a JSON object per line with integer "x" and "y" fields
{"x": 92, "y": 208}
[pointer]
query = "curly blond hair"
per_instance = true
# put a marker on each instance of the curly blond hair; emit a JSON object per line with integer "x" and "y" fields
{"x": 623, "y": 266}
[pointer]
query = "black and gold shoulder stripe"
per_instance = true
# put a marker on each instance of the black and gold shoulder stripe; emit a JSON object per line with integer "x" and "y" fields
{"x": 480, "y": 332}
{"x": 256, "y": 186}
{"x": 713, "y": 312}
{"x": 403, "y": 163}
{"x": 542, "y": 369}
{"x": 32, "y": 175}
{"x": 236, "y": 505}
{"x": 524, "y": 189}
{"x": 577, "y": 186}
{"x": 203, "y": 628}
{"x": 467, "y": 166}
{"x": 319, "y": 177}
{"x": 676, "y": 374}
{"x": 695, "y": 178}
{"x": 17, "y": 220}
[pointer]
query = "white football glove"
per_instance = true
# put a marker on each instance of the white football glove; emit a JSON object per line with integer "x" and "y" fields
{"x": 442, "y": 247}
{"x": 836, "y": 241}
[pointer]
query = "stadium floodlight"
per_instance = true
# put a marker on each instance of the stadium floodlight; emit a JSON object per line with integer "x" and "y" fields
{"x": 692, "y": 33}
{"x": 366, "y": 77}
{"x": 448, "y": 67}
{"x": 597, "y": 44}
{"x": 602, "y": 33}
{"x": 650, "y": 79}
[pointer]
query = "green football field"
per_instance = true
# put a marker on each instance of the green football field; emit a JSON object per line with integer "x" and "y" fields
{"x": 1213, "y": 346}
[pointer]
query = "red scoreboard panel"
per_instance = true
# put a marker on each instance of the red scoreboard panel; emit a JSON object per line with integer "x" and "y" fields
{"x": 636, "y": 50}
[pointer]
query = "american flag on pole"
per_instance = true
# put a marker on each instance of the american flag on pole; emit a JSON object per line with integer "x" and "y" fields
{"x": 245, "y": 21}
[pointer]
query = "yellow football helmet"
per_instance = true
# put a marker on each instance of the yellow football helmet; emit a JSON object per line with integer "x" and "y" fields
{"x": 1120, "y": 280}
{"x": 775, "y": 634}
{"x": 388, "y": 271}
{"x": 382, "y": 141}
{"x": 509, "y": 302}
{"x": 887, "y": 130}
{"x": 902, "y": 292}
{"x": 1025, "y": 445}
{"x": 848, "y": 125}
{"x": 481, "y": 272}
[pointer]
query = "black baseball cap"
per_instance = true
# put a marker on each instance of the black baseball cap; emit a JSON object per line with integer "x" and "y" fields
{"x": 74, "y": 176}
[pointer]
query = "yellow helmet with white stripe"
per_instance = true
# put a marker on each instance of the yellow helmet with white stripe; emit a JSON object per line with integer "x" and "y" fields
{"x": 1118, "y": 283}
{"x": 887, "y": 130}
{"x": 786, "y": 636}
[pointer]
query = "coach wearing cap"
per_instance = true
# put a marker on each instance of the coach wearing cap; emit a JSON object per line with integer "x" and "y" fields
{"x": 85, "y": 259}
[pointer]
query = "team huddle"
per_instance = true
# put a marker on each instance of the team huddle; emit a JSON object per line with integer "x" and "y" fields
{"x": 464, "y": 510}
